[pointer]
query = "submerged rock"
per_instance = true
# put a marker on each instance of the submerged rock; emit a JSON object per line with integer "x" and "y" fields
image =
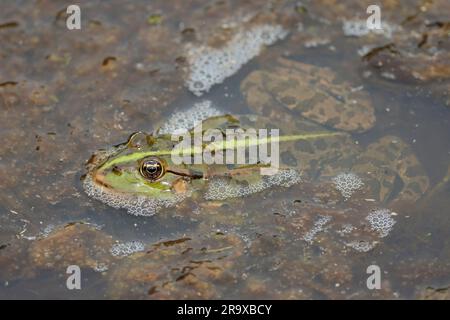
{"x": 313, "y": 92}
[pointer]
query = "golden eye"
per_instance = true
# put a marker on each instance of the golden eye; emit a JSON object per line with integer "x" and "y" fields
{"x": 152, "y": 169}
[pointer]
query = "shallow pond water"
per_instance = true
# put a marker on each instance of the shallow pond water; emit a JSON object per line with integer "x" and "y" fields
{"x": 66, "y": 93}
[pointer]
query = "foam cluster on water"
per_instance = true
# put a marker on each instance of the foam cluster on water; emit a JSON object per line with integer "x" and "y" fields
{"x": 347, "y": 184}
{"x": 137, "y": 205}
{"x": 346, "y": 229}
{"x": 381, "y": 221}
{"x": 209, "y": 66}
{"x": 222, "y": 188}
{"x": 101, "y": 267}
{"x": 319, "y": 225}
{"x": 362, "y": 245}
{"x": 187, "y": 119}
{"x": 358, "y": 28}
{"x": 126, "y": 248}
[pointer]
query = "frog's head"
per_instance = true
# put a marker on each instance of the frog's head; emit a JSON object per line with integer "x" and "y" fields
{"x": 138, "y": 171}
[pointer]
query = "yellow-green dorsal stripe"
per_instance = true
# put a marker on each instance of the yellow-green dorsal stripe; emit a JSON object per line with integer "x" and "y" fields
{"x": 221, "y": 145}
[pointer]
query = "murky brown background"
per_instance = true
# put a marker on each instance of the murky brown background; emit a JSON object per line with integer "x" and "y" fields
{"x": 65, "y": 94}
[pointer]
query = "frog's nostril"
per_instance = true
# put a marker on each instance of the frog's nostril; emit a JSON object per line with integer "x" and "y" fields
{"x": 116, "y": 170}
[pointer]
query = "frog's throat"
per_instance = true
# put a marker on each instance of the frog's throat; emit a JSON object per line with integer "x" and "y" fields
{"x": 222, "y": 145}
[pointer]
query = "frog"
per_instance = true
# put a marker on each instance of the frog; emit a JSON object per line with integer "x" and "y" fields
{"x": 142, "y": 176}
{"x": 312, "y": 92}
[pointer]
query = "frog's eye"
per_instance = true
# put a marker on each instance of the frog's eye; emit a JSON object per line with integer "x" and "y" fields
{"x": 152, "y": 169}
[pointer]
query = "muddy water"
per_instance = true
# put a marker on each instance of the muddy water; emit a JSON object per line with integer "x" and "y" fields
{"x": 65, "y": 94}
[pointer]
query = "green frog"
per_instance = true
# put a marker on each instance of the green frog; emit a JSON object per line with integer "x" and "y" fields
{"x": 142, "y": 176}
{"x": 315, "y": 146}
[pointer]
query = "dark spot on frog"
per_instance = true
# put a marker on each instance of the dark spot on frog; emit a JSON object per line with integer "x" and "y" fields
{"x": 304, "y": 146}
{"x": 288, "y": 159}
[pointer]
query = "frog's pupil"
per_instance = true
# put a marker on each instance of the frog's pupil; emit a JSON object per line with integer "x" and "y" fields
{"x": 152, "y": 169}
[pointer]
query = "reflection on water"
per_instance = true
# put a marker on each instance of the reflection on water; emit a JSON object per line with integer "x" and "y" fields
{"x": 65, "y": 94}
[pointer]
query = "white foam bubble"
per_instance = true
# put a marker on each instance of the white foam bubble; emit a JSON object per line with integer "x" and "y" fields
{"x": 137, "y": 205}
{"x": 101, "y": 267}
{"x": 347, "y": 184}
{"x": 209, "y": 66}
{"x": 184, "y": 120}
{"x": 222, "y": 188}
{"x": 381, "y": 221}
{"x": 362, "y": 245}
{"x": 319, "y": 225}
{"x": 358, "y": 28}
{"x": 126, "y": 248}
